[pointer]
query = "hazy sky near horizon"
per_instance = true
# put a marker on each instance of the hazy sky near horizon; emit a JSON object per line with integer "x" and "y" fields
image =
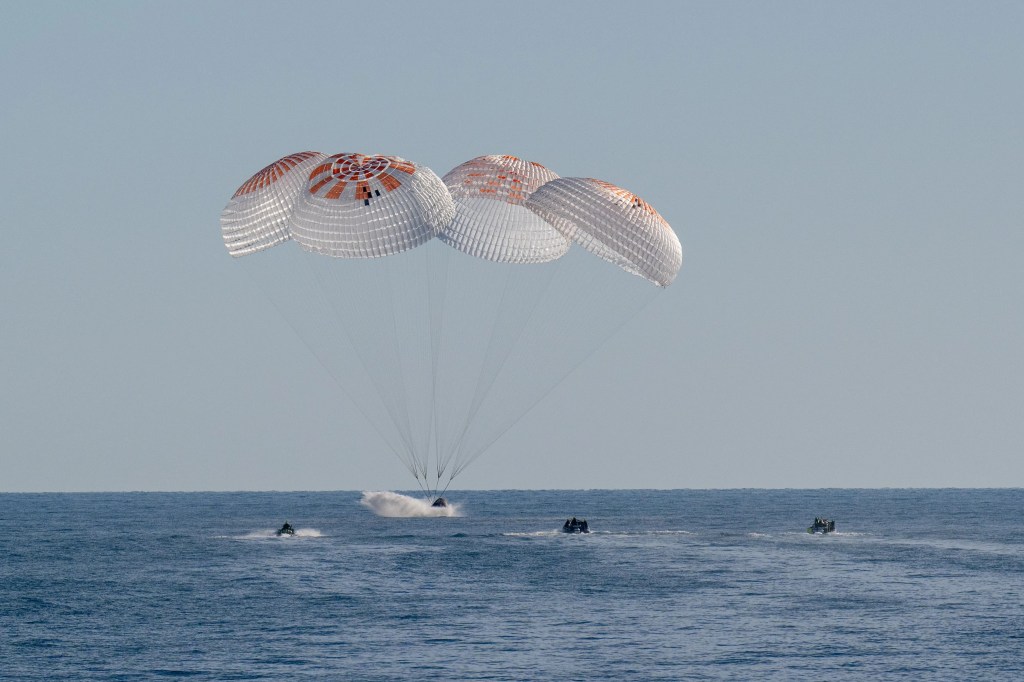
{"x": 845, "y": 178}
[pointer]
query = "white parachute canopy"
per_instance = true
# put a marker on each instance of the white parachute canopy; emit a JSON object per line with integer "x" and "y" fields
{"x": 358, "y": 206}
{"x": 612, "y": 223}
{"x": 443, "y": 344}
{"x": 491, "y": 221}
{"x": 258, "y": 215}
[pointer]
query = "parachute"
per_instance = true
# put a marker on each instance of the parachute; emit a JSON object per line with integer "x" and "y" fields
{"x": 446, "y": 309}
{"x": 257, "y": 216}
{"x": 612, "y": 223}
{"x": 491, "y": 220}
{"x": 357, "y": 206}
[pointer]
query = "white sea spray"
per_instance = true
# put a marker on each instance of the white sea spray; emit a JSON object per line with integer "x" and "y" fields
{"x": 396, "y": 505}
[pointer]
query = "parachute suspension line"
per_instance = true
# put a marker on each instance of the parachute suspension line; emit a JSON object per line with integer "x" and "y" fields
{"x": 473, "y": 405}
{"x": 445, "y": 489}
{"x": 408, "y": 457}
{"x": 436, "y": 316}
{"x": 384, "y": 283}
{"x": 571, "y": 368}
{"x": 487, "y": 381}
{"x": 461, "y": 425}
{"x": 423, "y": 484}
{"x": 398, "y": 359}
{"x": 330, "y": 371}
{"x": 330, "y": 282}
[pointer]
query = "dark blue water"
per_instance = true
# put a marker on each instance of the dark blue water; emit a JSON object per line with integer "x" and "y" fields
{"x": 916, "y": 584}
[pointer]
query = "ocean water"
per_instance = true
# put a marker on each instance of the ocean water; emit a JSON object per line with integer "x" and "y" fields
{"x": 670, "y": 585}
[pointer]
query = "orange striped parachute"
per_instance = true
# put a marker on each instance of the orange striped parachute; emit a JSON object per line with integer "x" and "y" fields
{"x": 612, "y": 223}
{"x": 259, "y": 214}
{"x": 446, "y": 309}
{"x": 491, "y": 219}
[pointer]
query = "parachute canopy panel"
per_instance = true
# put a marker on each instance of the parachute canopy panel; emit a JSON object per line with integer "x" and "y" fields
{"x": 612, "y": 223}
{"x": 257, "y": 216}
{"x": 491, "y": 221}
{"x": 359, "y": 206}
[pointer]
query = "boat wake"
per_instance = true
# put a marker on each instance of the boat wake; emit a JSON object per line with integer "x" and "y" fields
{"x": 611, "y": 533}
{"x": 272, "y": 534}
{"x": 395, "y": 505}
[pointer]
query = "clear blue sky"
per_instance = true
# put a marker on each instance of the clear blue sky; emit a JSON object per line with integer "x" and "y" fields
{"x": 846, "y": 180}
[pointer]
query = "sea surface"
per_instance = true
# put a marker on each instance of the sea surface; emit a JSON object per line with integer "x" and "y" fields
{"x": 670, "y": 585}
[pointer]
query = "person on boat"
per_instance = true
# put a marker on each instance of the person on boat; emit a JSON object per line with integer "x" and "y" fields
{"x": 286, "y": 529}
